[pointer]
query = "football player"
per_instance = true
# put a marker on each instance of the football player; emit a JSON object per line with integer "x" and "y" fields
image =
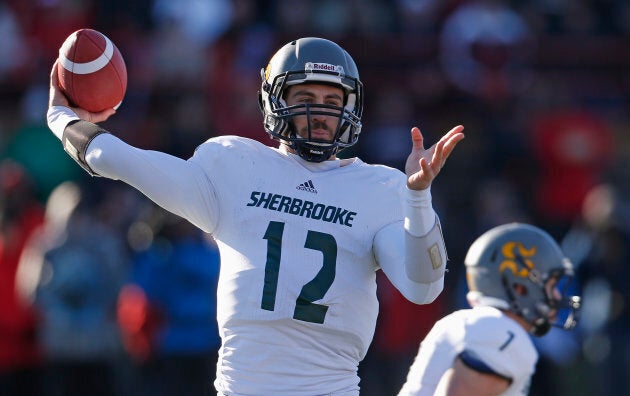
{"x": 518, "y": 278}
{"x": 301, "y": 232}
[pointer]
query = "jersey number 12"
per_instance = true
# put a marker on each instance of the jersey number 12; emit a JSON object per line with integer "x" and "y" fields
{"x": 314, "y": 290}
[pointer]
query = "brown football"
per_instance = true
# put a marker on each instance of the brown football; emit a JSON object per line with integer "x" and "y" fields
{"x": 92, "y": 71}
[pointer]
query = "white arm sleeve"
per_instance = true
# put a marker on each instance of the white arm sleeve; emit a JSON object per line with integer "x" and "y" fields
{"x": 419, "y": 213}
{"x": 58, "y": 118}
{"x": 179, "y": 186}
{"x": 411, "y": 254}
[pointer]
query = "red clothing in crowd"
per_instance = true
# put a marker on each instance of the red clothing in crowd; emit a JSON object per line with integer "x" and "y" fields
{"x": 18, "y": 344}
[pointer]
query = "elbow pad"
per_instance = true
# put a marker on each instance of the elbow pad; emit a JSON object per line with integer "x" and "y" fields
{"x": 77, "y": 137}
{"x": 426, "y": 255}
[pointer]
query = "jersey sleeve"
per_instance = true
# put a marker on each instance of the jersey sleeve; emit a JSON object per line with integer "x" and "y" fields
{"x": 493, "y": 345}
{"x": 177, "y": 185}
{"x": 391, "y": 254}
{"x": 411, "y": 252}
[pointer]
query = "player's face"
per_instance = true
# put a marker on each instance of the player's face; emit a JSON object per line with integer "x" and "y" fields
{"x": 323, "y": 127}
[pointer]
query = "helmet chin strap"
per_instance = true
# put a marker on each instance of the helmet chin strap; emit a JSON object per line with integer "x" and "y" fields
{"x": 314, "y": 153}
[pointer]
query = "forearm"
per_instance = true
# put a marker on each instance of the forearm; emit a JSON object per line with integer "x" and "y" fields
{"x": 423, "y": 239}
{"x": 412, "y": 254}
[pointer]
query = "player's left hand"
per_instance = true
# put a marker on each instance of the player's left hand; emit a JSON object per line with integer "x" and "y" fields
{"x": 422, "y": 165}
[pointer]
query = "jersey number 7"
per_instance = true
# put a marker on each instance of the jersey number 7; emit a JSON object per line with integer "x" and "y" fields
{"x": 314, "y": 290}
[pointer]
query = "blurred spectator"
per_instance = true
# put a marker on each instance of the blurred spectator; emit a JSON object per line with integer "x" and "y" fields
{"x": 573, "y": 149}
{"x": 293, "y": 16}
{"x": 72, "y": 270}
{"x": 486, "y": 49}
{"x": 419, "y": 15}
{"x": 200, "y": 21}
{"x": 45, "y": 24}
{"x": 497, "y": 202}
{"x": 20, "y": 215}
{"x": 167, "y": 311}
{"x": 13, "y": 52}
{"x": 599, "y": 245}
{"x": 184, "y": 30}
{"x": 50, "y": 167}
{"x": 234, "y": 73}
{"x": 387, "y": 140}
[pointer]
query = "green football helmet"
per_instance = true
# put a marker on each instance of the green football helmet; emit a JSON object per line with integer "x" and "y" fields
{"x": 311, "y": 60}
{"x": 520, "y": 268}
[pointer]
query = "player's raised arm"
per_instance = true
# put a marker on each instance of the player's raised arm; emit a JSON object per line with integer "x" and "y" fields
{"x": 170, "y": 182}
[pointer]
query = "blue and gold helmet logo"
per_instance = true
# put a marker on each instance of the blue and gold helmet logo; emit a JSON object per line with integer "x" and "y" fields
{"x": 517, "y": 259}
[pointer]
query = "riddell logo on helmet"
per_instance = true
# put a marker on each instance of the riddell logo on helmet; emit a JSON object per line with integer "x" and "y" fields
{"x": 324, "y": 66}
{"x": 310, "y": 67}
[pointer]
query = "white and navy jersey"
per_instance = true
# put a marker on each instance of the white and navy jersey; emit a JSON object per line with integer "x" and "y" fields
{"x": 298, "y": 270}
{"x": 297, "y": 301}
{"x": 497, "y": 342}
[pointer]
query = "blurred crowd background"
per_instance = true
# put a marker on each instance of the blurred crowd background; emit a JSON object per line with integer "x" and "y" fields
{"x": 103, "y": 293}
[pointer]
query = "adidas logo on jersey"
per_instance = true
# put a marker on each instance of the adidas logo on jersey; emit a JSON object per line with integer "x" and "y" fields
{"x": 307, "y": 186}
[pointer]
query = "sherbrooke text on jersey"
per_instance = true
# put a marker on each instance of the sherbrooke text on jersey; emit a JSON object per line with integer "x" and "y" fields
{"x": 302, "y": 207}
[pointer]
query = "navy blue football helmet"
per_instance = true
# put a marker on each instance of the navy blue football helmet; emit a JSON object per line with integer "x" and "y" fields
{"x": 311, "y": 60}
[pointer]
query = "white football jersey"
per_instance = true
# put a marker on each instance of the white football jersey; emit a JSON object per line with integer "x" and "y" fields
{"x": 497, "y": 340}
{"x": 299, "y": 243}
{"x": 297, "y": 290}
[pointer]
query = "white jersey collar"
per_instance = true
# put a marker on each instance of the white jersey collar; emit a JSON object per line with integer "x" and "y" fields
{"x": 321, "y": 166}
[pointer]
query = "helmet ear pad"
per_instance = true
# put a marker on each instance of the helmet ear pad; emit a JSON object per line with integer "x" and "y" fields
{"x": 261, "y": 105}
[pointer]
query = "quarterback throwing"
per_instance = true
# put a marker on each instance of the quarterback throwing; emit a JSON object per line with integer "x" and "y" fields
{"x": 301, "y": 232}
